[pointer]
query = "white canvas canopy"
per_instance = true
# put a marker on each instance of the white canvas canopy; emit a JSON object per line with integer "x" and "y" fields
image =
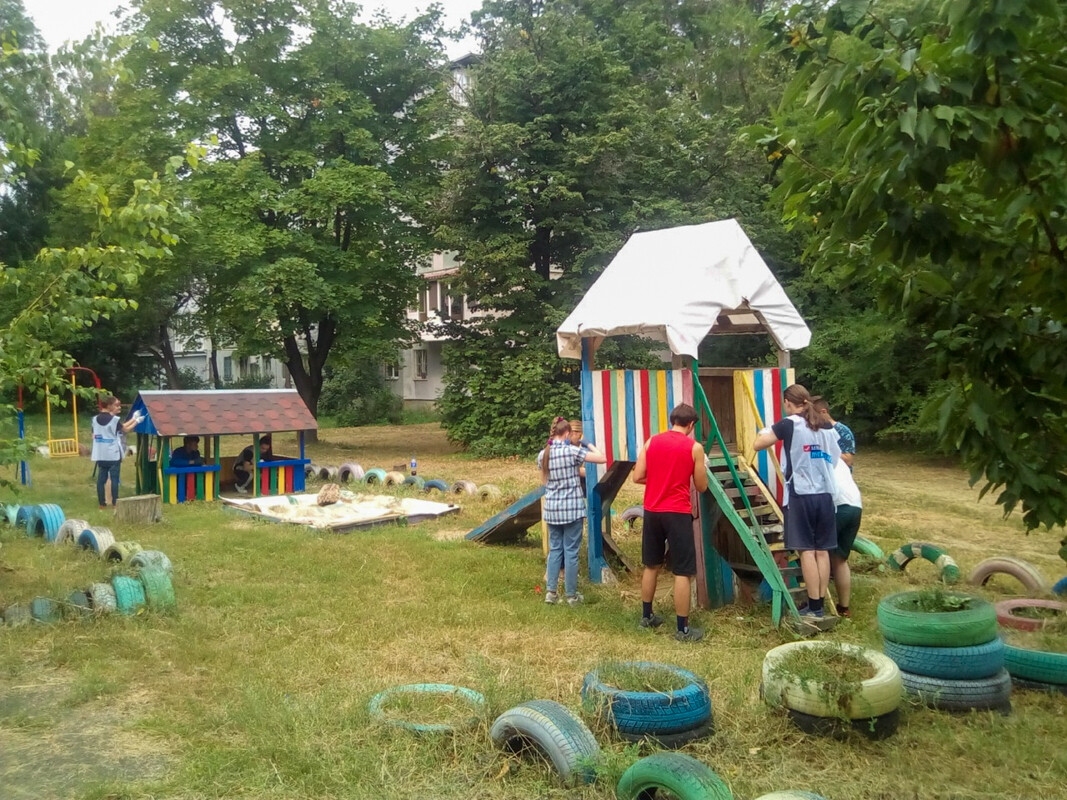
{"x": 674, "y": 285}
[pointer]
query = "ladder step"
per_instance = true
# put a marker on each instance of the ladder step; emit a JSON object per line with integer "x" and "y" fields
{"x": 750, "y": 489}
{"x": 772, "y": 530}
{"x": 759, "y": 511}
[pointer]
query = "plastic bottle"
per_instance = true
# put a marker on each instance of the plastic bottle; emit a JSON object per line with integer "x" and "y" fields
{"x": 414, "y": 465}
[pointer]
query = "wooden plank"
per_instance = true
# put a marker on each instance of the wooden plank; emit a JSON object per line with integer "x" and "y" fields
{"x": 511, "y": 523}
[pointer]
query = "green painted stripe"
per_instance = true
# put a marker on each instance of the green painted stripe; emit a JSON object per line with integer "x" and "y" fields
{"x": 200, "y": 486}
{"x": 274, "y": 481}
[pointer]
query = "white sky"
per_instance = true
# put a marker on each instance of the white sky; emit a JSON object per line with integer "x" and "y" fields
{"x": 60, "y": 20}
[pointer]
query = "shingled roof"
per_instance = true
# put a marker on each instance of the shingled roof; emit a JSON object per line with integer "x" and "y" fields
{"x": 222, "y": 411}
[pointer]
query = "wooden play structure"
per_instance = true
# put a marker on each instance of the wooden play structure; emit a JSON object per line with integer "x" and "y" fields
{"x": 250, "y": 414}
{"x": 680, "y": 286}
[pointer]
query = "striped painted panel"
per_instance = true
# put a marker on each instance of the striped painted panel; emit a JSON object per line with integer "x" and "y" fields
{"x": 767, "y": 387}
{"x": 628, "y": 406}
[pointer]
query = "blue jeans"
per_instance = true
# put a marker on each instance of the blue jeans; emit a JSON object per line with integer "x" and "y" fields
{"x": 104, "y": 470}
{"x": 564, "y": 541}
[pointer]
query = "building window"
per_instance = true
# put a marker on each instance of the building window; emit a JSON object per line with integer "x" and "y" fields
{"x": 227, "y": 369}
{"x": 266, "y": 364}
{"x": 422, "y": 364}
{"x": 392, "y": 371}
{"x": 434, "y": 297}
{"x": 254, "y": 369}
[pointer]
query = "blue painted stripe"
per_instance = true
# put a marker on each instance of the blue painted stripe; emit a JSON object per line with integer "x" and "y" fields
{"x": 670, "y": 396}
{"x": 763, "y": 461}
{"x": 594, "y": 543}
{"x": 631, "y": 417}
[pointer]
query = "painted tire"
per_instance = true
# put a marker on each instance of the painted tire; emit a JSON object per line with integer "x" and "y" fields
{"x": 876, "y": 696}
{"x": 474, "y": 699}
{"x": 374, "y": 476}
{"x": 311, "y": 471}
{"x": 681, "y": 775}
{"x": 328, "y": 473}
{"x": 791, "y": 794}
{"x": 562, "y": 738}
{"x": 98, "y": 539}
{"x": 631, "y": 514}
{"x": 1009, "y": 620}
{"x": 45, "y": 520}
{"x": 129, "y": 594}
{"x": 151, "y": 559}
{"x": 674, "y": 741}
{"x": 22, "y": 517}
{"x": 440, "y": 486}
{"x": 953, "y": 695}
{"x": 416, "y": 481}
{"x": 11, "y": 512}
{"x": 121, "y": 551}
{"x": 44, "y": 610}
{"x": 1060, "y": 587}
{"x": 102, "y": 598}
{"x": 1038, "y": 686}
{"x": 1036, "y": 665}
{"x": 158, "y": 590}
{"x": 874, "y": 728}
{"x": 464, "y": 487}
{"x": 17, "y": 614}
{"x": 394, "y": 479}
{"x": 958, "y": 663}
{"x": 78, "y": 604}
{"x": 350, "y": 472}
{"x": 489, "y": 491}
{"x": 950, "y": 571}
{"x": 70, "y": 530}
{"x": 1023, "y": 571}
{"x": 865, "y": 547}
{"x": 651, "y": 713}
{"x": 969, "y": 626}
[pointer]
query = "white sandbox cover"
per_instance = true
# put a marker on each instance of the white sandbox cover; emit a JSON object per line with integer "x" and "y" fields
{"x": 672, "y": 284}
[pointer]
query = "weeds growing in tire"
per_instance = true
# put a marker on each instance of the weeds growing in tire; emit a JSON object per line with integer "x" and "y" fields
{"x": 831, "y": 672}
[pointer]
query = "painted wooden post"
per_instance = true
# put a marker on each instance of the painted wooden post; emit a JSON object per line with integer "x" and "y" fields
{"x": 217, "y": 475}
{"x": 594, "y": 510}
{"x": 255, "y": 465}
{"x": 298, "y": 475}
{"x": 169, "y": 483}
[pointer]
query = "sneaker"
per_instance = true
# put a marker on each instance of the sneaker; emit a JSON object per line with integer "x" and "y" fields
{"x": 575, "y": 600}
{"x": 847, "y": 613}
{"x": 241, "y": 489}
{"x": 551, "y": 598}
{"x": 690, "y": 634}
{"x": 807, "y": 613}
{"x": 650, "y": 622}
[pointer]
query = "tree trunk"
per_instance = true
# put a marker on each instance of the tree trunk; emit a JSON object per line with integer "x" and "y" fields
{"x": 165, "y": 354}
{"x": 213, "y": 366}
{"x": 307, "y": 375}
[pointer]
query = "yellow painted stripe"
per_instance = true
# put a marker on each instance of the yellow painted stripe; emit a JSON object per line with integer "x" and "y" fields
{"x": 662, "y": 413}
{"x": 619, "y": 425}
{"x": 172, "y": 489}
{"x": 209, "y": 487}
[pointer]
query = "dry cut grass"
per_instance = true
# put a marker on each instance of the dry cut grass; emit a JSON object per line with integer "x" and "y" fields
{"x": 258, "y": 686}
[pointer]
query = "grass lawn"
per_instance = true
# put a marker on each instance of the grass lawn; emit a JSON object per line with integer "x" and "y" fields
{"x": 258, "y": 686}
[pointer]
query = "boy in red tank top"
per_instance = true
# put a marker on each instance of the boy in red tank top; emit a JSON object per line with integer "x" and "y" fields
{"x": 667, "y": 465}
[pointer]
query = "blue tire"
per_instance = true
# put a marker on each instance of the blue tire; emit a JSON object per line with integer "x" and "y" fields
{"x": 441, "y": 486}
{"x": 651, "y": 713}
{"x": 46, "y": 521}
{"x": 44, "y": 610}
{"x": 958, "y": 663}
{"x": 1060, "y": 587}
{"x": 22, "y": 518}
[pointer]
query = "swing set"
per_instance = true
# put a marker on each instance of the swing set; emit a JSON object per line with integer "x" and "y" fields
{"x": 57, "y": 447}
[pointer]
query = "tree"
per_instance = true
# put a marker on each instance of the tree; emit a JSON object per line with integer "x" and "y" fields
{"x": 943, "y": 187}
{"x": 585, "y": 122}
{"x": 323, "y": 149}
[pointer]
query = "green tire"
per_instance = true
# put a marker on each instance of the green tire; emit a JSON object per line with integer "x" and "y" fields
{"x": 129, "y": 594}
{"x": 950, "y": 571}
{"x": 865, "y": 547}
{"x": 158, "y": 590}
{"x": 681, "y": 775}
{"x": 976, "y": 624}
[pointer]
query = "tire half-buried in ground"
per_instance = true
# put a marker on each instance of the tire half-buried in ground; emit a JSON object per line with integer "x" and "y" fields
{"x": 552, "y": 731}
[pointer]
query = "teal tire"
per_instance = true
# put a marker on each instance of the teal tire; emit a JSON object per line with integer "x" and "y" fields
{"x": 1036, "y": 665}
{"x": 129, "y": 594}
{"x": 901, "y": 623}
{"x": 475, "y": 700}
{"x": 416, "y": 481}
{"x": 44, "y": 610}
{"x": 960, "y": 663}
{"x": 435, "y": 485}
{"x": 651, "y": 713}
{"x": 681, "y": 775}
{"x": 950, "y": 570}
{"x": 158, "y": 589}
{"x": 374, "y": 477}
{"x": 553, "y": 731}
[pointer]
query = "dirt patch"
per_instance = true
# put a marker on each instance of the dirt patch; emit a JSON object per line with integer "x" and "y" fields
{"x": 48, "y": 749}
{"x": 450, "y": 535}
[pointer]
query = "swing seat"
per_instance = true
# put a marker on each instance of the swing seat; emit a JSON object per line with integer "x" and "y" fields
{"x": 62, "y": 448}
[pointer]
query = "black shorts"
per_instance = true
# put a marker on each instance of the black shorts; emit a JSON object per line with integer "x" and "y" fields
{"x": 848, "y": 525}
{"x": 661, "y": 528}
{"x": 810, "y": 522}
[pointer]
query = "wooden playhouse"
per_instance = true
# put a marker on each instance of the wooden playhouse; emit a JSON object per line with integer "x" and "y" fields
{"x": 680, "y": 286}
{"x": 248, "y": 414}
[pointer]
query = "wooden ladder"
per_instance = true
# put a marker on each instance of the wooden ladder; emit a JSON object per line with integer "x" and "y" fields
{"x": 769, "y": 520}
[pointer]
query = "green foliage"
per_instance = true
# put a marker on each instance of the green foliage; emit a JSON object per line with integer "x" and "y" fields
{"x": 939, "y": 183}
{"x": 355, "y": 393}
{"x": 937, "y": 600}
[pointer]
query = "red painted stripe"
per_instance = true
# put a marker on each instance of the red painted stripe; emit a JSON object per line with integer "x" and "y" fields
{"x": 289, "y": 479}
{"x": 190, "y": 487}
{"x": 264, "y": 482}
{"x": 605, "y": 386}
{"x": 646, "y": 420}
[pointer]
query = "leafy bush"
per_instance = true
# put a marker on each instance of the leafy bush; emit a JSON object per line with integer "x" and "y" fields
{"x": 354, "y": 393}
